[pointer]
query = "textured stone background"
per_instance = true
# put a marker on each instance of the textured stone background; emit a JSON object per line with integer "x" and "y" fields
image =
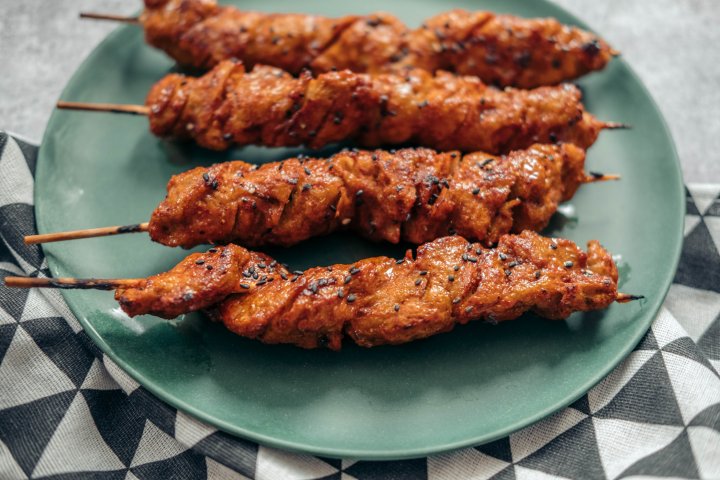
{"x": 672, "y": 44}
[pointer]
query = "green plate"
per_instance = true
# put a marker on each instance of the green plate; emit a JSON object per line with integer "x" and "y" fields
{"x": 467, "y": 387}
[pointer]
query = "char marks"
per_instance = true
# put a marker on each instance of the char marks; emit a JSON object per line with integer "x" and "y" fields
{"x": 500, "y": 49}
{"x": 379, "y": 300}
{"x": 413, "y": 195}
{"x": 269, "y": 107}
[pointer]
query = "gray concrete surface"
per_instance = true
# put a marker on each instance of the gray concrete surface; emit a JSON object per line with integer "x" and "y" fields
{"x": 672, "y": 44}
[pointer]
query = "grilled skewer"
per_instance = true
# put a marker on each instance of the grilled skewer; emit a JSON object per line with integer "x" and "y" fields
{"x": 414, "y": 195}
{"x": 269, "y": 107}
{"x": 379, "y": 300}
{"x": 500, "y": 49}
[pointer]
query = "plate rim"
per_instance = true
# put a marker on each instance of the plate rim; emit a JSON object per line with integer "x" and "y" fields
{"x": 653, "y": 306}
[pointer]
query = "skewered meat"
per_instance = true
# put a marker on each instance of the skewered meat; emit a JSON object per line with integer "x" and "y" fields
{"x": 270, "y": 107}
{"x": 500, "y": 49}
{"x": 415, "y": 195}
{"x": 382, "y": 300}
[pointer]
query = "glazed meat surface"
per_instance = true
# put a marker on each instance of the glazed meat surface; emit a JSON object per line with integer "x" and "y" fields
{"x": 381, "y": 300}
{"x": 414, "y": 195}
{"x": 500, "y": 49}
{"x": 269, "y": 107}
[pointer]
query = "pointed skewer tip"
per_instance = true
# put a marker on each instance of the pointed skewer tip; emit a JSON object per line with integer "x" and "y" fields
{"x": 626, "y": 297}
{"x": 108, "y": 16}
{"x": 616, "y": 126}
{"x": 592, "y": 177}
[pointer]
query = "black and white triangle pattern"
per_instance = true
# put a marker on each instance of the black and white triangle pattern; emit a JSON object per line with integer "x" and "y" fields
{"x": 67, "y": 411}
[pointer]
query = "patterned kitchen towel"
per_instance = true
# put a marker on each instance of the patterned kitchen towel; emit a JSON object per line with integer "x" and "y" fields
{"x": 67, "y": 411}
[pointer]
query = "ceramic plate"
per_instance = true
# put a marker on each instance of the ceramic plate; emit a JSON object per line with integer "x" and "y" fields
{"x": 467, "y": 387}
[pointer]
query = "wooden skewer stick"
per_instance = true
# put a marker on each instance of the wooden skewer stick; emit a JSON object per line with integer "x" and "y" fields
{"x": 145, "y": 110}
{"x": 592, "y": 177}
{"x": 73, "y": 283}
{"x": 113, "y": 283}
{"x": 626, "y": 297}
{"x": 111, "y": 17}
{"x": 105, "y": 107}
{"x": 86, "y": 233}
{"x": 616, "y": 126}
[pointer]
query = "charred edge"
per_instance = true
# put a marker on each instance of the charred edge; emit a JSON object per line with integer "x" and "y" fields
{"x": 84, "y": 284}
{"x": 126, "y": 112}
{"x": 617, "y": 126}
{"x": 624, "y": 298}
{"x": 130, "y": 228}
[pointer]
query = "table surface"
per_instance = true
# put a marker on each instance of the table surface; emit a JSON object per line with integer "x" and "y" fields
{"x": 671, "y": 46}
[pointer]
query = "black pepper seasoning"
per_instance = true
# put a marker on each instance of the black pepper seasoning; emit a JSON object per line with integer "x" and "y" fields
{"x": 351, "y": 298}
{"x": 568, "y": 264}
{"x": 396, "y": 307}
